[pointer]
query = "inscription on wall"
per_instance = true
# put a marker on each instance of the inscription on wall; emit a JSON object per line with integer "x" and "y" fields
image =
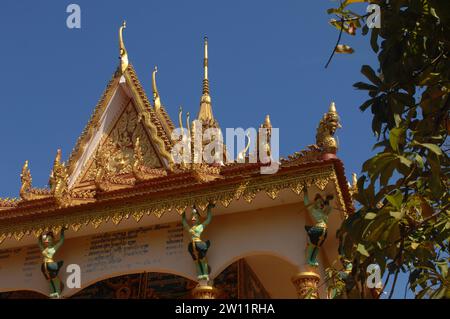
{"x": 135, "y": 248}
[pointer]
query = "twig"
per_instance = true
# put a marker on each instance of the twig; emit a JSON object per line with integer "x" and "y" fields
{"x": 337, "y": 43}
{"x": 393, "y": 284}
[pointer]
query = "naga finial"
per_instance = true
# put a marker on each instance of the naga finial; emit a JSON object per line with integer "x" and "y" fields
{"x": 123, "y": 50}
{"x": 266, "y": 130}
{"x": 180, "y": 118}
{"x": 326, "y": 130}
{"x": 156, "y": 98}
{"x": 243, "y": 153}
{"x": 59, "y": 180}
{"x": 188, "y": 124}
{"x": 26, "y": 180}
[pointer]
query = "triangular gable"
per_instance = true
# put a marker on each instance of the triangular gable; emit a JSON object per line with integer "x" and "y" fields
{"x": 123, "y": 114}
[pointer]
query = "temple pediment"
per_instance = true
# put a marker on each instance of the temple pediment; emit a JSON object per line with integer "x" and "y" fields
{"x": 111, "y": 147}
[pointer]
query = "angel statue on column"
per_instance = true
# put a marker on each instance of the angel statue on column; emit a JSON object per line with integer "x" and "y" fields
{"x": 50, "y": 268}
{"x": 198, "y": 247}
{"x": 319, "y": 209}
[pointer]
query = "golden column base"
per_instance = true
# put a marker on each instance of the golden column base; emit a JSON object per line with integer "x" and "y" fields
{"x": 306, "y": 283}
{"x": 205, "y": 292}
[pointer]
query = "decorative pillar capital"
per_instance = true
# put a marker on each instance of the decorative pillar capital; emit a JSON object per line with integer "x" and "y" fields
{"x": 205, "y": 292}
{"x": 306, "y": 283}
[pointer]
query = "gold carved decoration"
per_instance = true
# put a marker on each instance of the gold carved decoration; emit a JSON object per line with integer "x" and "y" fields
{"x": 7, "y": 203}
{"x": 156, "y": 97}
{"x": 116, "y": 156}
{"x": 326, "y": 130}
{"x": 123, "y": 50}
{"x": 26, "y": 190}
{"x": 137, "y": 216}
{"x": 158, "y": 206}
{"x": 205, "y": 292}
{"x": 140, "y": 171}
{"x": 25, "y": 178}
{"x": 145, "y": 117}
{"x": 59, "y": 181}
{"x": 306, "y": 284}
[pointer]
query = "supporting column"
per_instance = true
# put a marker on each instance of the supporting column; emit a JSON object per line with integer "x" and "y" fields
{"x": 205, "y": 292}
{"x": 307, "y": 283}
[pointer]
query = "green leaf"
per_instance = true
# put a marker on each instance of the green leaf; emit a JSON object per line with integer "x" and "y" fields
{"x": 395, "y": 199}
{"x": 397, "y": 215}
{"x": 404, "y": 99}
{"x": 432, "y": 147}
{"x": 370, "y": 216}
{"x": 419, "y": 161}
{"x": 371, "y": 75}
{"x": 395, "y": 136}
{"x": 397, "y": 119}
{"x": 443, "y": 267}
{"x": 387, "y": 173}
{"x": 362, "y": 250}
{"x": 405, "y": 161}
{"x": 365, "y": 86}
{"x": 374, "y": 40}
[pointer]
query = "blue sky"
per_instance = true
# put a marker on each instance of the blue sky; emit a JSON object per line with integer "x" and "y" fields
{"x": 265, "y": 57}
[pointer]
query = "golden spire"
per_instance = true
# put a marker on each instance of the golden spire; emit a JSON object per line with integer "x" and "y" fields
{"x": 123, "y": 50}
{"x": 156, "y": 98}
{"x": 205, "y": 114}
{"x": 205, "y": 69}
{"x": 332, "y": 108}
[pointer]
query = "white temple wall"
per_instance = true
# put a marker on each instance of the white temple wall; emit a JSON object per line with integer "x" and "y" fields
{"x": 277, "y": 231}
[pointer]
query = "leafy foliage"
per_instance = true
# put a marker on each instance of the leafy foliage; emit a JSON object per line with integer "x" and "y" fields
{"x": 403, "y": 219}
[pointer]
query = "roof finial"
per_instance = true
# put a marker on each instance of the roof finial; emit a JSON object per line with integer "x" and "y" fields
{"x": 205, "y": 69}
{"x": 123, "y": 50}
{"x": 326, "y": 130}
{"x": 156, "y": 98}
{"x": 205, "y": 114}
{"x": 332, "y": 108}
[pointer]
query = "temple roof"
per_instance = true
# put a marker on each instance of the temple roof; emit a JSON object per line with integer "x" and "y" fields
{"x": 122, "y": 165}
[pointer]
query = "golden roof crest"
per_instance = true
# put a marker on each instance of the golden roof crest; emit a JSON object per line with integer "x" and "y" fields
{"x": 123, "y": 50}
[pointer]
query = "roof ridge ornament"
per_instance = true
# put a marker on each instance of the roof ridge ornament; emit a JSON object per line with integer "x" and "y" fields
{"x": 325, "y": 136}
{"x": 123, "y": 50}
{"x": 156, "y": 97}
{"x": 59, "y": 185}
